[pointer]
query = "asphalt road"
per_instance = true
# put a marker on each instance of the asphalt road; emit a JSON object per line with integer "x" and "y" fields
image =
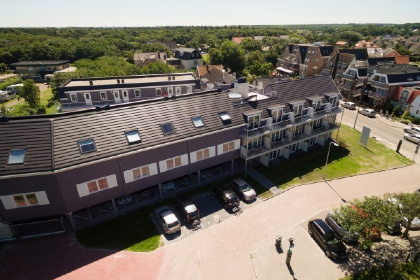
{"x": 385, "y": 130}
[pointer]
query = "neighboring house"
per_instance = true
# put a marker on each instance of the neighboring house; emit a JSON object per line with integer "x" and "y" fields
{"x": 375, "y": 85}
{"x": 342, "y": 44}
{"x": 337, "y": 65}
{"x": 143, "y": 59}
{"x": 415, "y": 108}
{"x": 214, "y": 76}
{"x": 238, "y": 40}
{"x": 37, "y": 69}
{"x": 304, "y": 60}
{"x": 190, "y": 58}
{"x": 91, "y": 92}
{"x": 170, "y": 45}
{"x": 388, "y": 37}
{"x": 361, "y": 55}
{"x": 67, "y": 165}
{"x": 405, "y": 97}
{"x": 365, "y": 44}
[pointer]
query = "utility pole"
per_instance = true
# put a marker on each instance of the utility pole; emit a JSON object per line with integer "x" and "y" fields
{"x": 357, "y": 114}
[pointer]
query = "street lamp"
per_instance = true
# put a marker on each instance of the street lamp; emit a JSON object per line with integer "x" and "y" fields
{"x": 328, "y": 154}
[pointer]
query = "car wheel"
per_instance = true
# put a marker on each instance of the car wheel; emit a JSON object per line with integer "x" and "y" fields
{"x": 310, "y": 232}
{"x": 328, "y": 253}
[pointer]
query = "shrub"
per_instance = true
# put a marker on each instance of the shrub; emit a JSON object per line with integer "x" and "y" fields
{"x": 416, "y": 121}
{"x": 41, "y": 110}
{"x": 408, "y": 118}
{"x": 50, "y": 103}
{"x": 405, "y": 121}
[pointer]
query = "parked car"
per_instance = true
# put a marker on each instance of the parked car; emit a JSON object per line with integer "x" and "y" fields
{"x": 243, "y": 190}
{"x": 367, "y": 112}
{"x": 345, "y": 235}
{"x": 412, "y": 130}
{"x": 227, "y": 196}
{"x": 415, "y": 223}
{"x": 349, "y": 105}
{"x": 325, "y": 236}
{"x": 415, "y": 138}
{"x": 168, "y": 220}
{"x": 187, "y": 209}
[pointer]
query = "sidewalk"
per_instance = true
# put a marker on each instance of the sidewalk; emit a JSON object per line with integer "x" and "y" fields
{"x": 264, "y": 181}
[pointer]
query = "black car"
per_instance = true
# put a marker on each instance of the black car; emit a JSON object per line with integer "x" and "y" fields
{"x": 187, "y": 209}
{"x": 327, "y": 239}
{"x": 227, "y": 196}
{"x": 342, "y": 233}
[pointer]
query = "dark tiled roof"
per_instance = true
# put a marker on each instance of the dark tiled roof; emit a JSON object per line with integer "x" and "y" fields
{"x": 184, "y": 53}
{"x": 326, "y": 50}
{"x": 346, "y": 58}
{"x": 107, "y": 127}
{"x": 32, "y": 135}
{"x": 404, "y": 78}
{"x": 376, "y": 60}
{"x": 361, "y": 54}
{"x": 216, "y": 75}
{"x": 39, "y": 62}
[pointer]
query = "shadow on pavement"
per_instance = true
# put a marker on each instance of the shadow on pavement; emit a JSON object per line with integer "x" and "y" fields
{"x": 45, "y": 258}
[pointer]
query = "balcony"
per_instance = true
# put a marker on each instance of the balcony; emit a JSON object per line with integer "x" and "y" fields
{"x": 302, "y": 119}
{"x": 379, "y": 85}
{"x": 348, "y": 77}
{"x": 345, "y": 86}
{"x": 372, "y": 94}
{"x": 249, "y": 154}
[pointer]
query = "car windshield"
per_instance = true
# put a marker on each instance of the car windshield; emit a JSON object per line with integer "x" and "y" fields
{"x": 193, "y": 214}
{"x": 174, "y": 224}
{"x": 245, "y": 187}
{"x": 336, "y": 247}
{"x": 233, "y": 199}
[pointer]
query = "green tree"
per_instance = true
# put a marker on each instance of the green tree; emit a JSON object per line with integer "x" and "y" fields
{"x": 215, "y": 56}
{"x": 3, "y": 68}
{"x": 232, "y": 56}
{"x": 30, "y": 92}
{"x": 251, "y": 45}
{"x": 410, "y": 208}
{"x": 158, "y": 67}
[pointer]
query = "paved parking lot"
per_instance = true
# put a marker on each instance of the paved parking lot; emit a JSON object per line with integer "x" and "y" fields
{"x": 212, "y": 213}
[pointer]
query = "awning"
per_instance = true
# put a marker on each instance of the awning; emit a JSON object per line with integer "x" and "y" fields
{"x": 284, "y": 70}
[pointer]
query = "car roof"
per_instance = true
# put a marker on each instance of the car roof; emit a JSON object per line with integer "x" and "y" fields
{"x": 239, "y": 181}
{"x": 322, "y": 225}
{"x": 169, "y": 217}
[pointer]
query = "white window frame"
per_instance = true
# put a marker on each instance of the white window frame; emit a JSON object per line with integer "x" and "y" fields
{"x": 83, "y": 188}
{"x": 254, "y": 121}
{"x": 236, "y": 146}
{"x": 75, "y": 99}
{"x": 10, "y": 203}
{"x": 105, "y": 96}
{"x": 170, "y": 90}
{"x": 158, "y": 91}
{"x": 178, "y": 90}
{"x": 129, "y": 174}
{"x": 163, "y": 164}
{"x": 125, "y": 94}
{"x": 137, "y": 92}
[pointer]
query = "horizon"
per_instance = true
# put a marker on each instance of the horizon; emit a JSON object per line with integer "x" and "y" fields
{"x": 130, "y": 13}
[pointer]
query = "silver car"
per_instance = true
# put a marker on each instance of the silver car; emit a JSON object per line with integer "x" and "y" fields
{"x": 349, "y": 105}
{"x": 244, "y": 190}
{"x": 415, "y": 138}
{"x": 168, "y": 220}
{"x": 367, "y": 112}
{"x": 412, "y": 130}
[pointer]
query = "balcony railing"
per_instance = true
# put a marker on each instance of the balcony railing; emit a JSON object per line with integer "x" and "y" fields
{"x": 286, "y": 141}
{"x": 375, "y": 95}
{"x": 345, "y": 86}
{"x": 379, "y": 85}
{"x": 348, "y": 77}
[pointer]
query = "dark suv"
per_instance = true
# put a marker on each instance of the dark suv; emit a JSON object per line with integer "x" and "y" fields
{"x": 187, "y": 209}
{"x": 325, "y": 236}
{"x": 227, "y": 196}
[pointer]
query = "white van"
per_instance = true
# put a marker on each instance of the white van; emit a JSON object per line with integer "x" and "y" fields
{"x": 5, "y": 96}
{"x": 14, "y": 88}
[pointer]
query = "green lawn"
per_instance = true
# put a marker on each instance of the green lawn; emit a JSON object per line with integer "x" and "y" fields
{"x": 404, "y": 271}
{"x": 350, "y": 158}
{"x": 45, "y": 95}
{"x": 205, "y": 58}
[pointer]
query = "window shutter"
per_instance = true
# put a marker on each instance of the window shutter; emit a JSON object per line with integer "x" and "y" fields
{"x": 212, "y": 151}
{"x": 237, "y": 144}
{"x": 184, "y": 159}
{"x": 193, "y": 157}
{"x": 112, "y": 181}
{"x": 128, "y": 176}
{"x": 42, "y": 198}
{"x": 220, "y": 149}
{"x": 153, "y": 169}
{"x": 162, "y": 166}
{"x": 8, "y": 202}
{"x": 82, "y": 189}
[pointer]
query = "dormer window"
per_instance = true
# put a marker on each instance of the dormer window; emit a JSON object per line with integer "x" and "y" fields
{"x": 333, "y": 101}
{"x": 316, "y": 104}
{"x": 382, "y": 79}
{"x": 253, "y": 121}
{"x": 16, "y": 156}
{"x": 225, "y": 117}
{"x": 87, "y": 146}
{"x": 330, "y": 64}
{"x": 298, "y": 109}
{"x": 277, "y": 115}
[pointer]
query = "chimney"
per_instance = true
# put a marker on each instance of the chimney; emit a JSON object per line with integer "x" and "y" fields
{"x": 118, "y": 81}
{"x": 207, "y": 67}
{"x": 173, "y": 78}
{"x": 122, "y": 81}
{"x": 159, "y": 55}
{"x": 90, "y": 82}
{"x": 169, "y": 78}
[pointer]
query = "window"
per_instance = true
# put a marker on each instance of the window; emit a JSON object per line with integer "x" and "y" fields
{"x": 254, "y": 143}
{"x": 330, "y": 64}
{"x": 25, "y": 200}
{"x": 97, "y": 185}
{"x": 167, "y": 128}
{"x": 16, "y": 156}
{"x": 139, "y": 173}
{"x": 177, "y": 90}
{"x": 253, "y": 121}
{"x": 92, "y": 186}
{"x": 277, "y": 136}
{"x": 173, "y": 162}
{"x": 225, "y": 117}
{"x": 170, "y": 90}
{"x": 133, "y": 136}
{"x": 227, "y": 147}
{"x": 158, "y": 92}
{"x": 125, "y": 94}
{"x": 87, "y": 146}
{"x": 137, "y": 93}
{"x": 203, "y": 154}
{"x": 297, "y": 110}
{"x": 316, "y": 104}
{"x": 103, "y": 95}
{"x": 404, "y": 96}
{"x": 116, "y": 94}
{"x": 276, "y": 115}
{"x": 197, "y": 121}
{"x": 73, "y": 97}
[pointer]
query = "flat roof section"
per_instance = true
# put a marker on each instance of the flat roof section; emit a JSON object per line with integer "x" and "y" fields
{"x": 127, "y": 80}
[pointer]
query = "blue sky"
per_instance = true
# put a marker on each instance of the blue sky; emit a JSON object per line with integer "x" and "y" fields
{"x": 116, "y": 13}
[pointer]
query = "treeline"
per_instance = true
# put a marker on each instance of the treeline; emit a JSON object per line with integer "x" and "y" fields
{"x": 18, "y": 44}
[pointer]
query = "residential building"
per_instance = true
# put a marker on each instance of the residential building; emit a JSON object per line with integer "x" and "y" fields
{"x": 364, "y": 44}
{"x": 337, "y": 65}
{"x": 37, "y": 69}
{"x": 405, "y": 98}
{"x": 238, "y": 40}
{"x": 415, "y": 108}
{"x": 304, "y": 60}
{"x": 91, "y": 92}
{"x": 143, "y": 59}
{"x": 65, "y": 165}
{"x": 190, "y": 58}
{"x": 214, "y": 76}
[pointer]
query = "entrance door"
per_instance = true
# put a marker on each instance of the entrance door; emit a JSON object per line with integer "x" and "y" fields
{"x": 88, "y": 100}
{"x": 117, "y": 98}
{"x": 125, "y": 96}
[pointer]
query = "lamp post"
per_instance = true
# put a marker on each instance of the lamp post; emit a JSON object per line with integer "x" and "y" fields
{"x": 357, "y": 114}
{"x": 328, "y": 154}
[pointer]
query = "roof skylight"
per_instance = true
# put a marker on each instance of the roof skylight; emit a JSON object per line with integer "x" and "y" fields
{"x": 87, "y": 146}
{"x": 167, "y": 128}
{"x": 133, "y": 136}
{"x": 16, "y": 156}
{"x": 197, "y": 121}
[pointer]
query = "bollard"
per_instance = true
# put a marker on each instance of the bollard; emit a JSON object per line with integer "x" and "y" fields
{"x": 278, "y": 242}
{"x": 399, "y": 146}
{"x": 288, "y": 257}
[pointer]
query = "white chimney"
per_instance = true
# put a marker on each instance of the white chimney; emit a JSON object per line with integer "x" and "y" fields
{"x": 242, "y": 89}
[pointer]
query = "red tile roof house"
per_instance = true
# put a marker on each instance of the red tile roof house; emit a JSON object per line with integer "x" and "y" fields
{"x": 72, "y": 170}
{"x": 405, "y": 97}
{"x": 238, "y": 40}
